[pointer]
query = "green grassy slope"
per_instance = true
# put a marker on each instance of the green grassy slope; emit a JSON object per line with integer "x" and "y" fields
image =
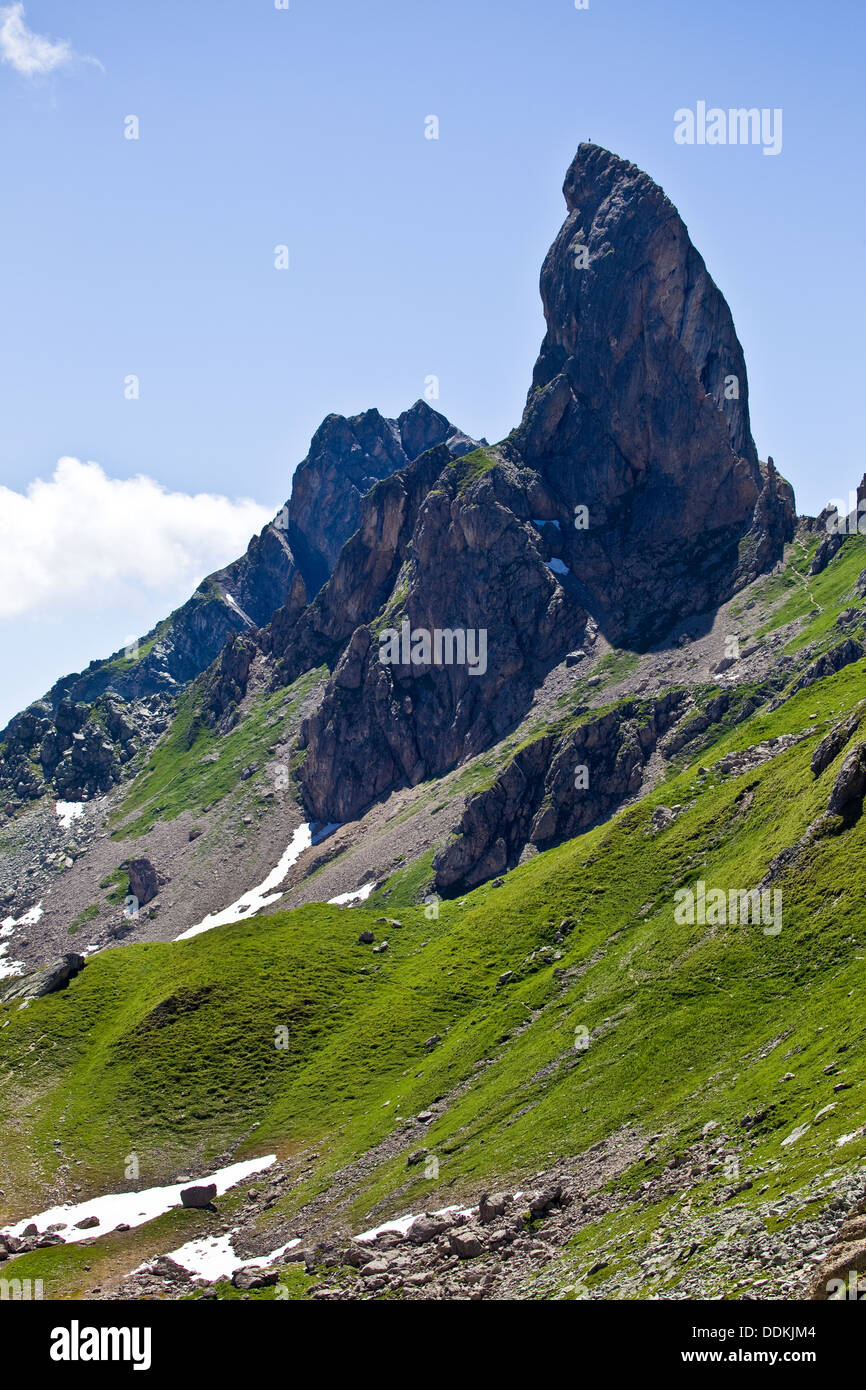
{"x": 169, "y": 1050}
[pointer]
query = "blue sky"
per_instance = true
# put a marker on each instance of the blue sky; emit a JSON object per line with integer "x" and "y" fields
{"x": 408, "y": 257}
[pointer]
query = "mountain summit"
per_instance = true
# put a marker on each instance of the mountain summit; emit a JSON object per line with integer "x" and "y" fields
{"x": 630, "y": 498}
{"x": 639, "y": 411}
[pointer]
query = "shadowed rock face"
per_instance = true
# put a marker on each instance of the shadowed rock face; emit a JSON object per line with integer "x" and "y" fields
{"x": 639, "y": 411}
{"x": 347, "y": 457}
{"x": 475, "y": 563}
{"x": 533, "y": 801}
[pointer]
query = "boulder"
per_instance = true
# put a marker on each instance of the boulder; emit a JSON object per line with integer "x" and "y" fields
{"x": 54, "y": 977}
{"x": 144, "y": 882}
{"x": 254, "y": 1278}
{"x": 843, "y": 1261}
{"x": 427, "y": 1228}
{"x": 492, "y": 1206}
{"x": 466, "y": 1242}
{"x": 540, "y": 1203}
{"x": 199, "y": 1195}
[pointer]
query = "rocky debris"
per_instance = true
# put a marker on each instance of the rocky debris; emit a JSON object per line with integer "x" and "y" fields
{"x": 200, "y": 1195}
{"x": 87, "y": 1223}
{"x": 366, "y": 938}
{"x": 53, "y": 977}
{"x": 836, "y": 1276}
{"x": 520, "y": 1244}
{"x": 428, "y": 1228}
{"x": 493, "y": 1206}
{"x": 31, "y": 1240}
{"x": 747, "y": 759}
{"x": 832, "y": 744}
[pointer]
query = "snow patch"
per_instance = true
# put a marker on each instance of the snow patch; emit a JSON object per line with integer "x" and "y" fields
{"x": 256, "y": 898}
{"x": 795, "y": 1135}
{"x": 232, "y": 603}
{"x": 558, "y": 566}
{"x": 68, "y": 811}
{"x": 213, "y": 1257}
{"x": 7, "y": 927}
{"x": 359, "y": 896}
{"x": 134, "y": 1208}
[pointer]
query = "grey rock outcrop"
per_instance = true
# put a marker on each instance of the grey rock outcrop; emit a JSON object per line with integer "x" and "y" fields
{"x": 54, "y": 977}
{"x": 849, "y": 789}
{"x": 832, "y": 744}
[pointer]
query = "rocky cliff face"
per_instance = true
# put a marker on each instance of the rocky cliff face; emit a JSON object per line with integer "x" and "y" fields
{"x": 555, "y": 788}
{"x": 631, "y": 493}
{"x": 639, "y": 411}
{"x": 475, "y": 566}
{"x": 630, "y": 497}
{"x": 76, "y": 749}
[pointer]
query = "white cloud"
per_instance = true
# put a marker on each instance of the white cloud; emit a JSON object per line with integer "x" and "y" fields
{"x": 86, "y": 540}
{"x": 31, "y": 54}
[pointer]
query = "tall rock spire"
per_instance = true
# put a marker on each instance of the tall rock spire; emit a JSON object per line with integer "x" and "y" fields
{"x": 639, "y": 410}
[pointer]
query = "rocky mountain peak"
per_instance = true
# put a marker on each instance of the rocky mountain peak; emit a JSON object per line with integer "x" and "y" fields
{"x": 347, "y": 456}
{"x": 639, "y": 410}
